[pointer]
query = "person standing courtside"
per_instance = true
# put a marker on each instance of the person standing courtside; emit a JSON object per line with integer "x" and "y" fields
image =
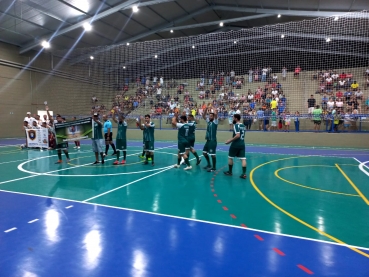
{"x": 97, "y": 139}
{"x": 148, "y": 129}
{"x": 183, "y": 144}
{"x": 108, "y": 135}
{"x": 121, "y": 139}
{"x": 210, "y": 146}
{"x": 237, "y": 148}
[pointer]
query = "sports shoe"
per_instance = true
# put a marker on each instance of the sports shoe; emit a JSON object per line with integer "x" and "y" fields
{"x": 211, "y": 169}
{"x": 68, "y": 161}
{"x": 115, "y": 153}
{"x": 182, "y": 161}
{"x": 176, "y": 166}
{"x": 187, "y": 168}
{"x": 102, "y": 161}
{"x": 152, "y": 164}
{"x": 207, "y": 167}
{"x": 145, "y": 163}
{"x": 141, "y": 157}
{"x": 199, "y": 161}
{"x": 149, "y": 159}
{"x": 123, "y": 162}
{"x": 59, "y": 162}
{"x": 243, "y": 176}
{"x": 104, "y": 155}
{"x": 75, "y": 147}
{"x": 78, "y": 147}
{"x": 227, "y": 173}
{"x": 116, "y": 162}
{"x": 96, "y": 162}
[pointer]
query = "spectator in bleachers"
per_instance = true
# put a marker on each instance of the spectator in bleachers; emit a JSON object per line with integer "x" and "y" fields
{"x": 324, "y": 101}
{"x": 251, "y": 72}
{"x": 367, "y": 72}
{"x": 339, "y": 94}
{"x": 339, "y": 104}
{"x": 330, "y": 104}
{"x": 311, "y": 104}
{"x": 264, "y": 72}
{"x": 367, "y": 82}
{"x": 275, "y": 78}
{"x": 354, "y": 86}
{"x": 367, "y": 103}
{"x": 297, "y": 121}
{"x": 317, "y": 118}
{"x": 359, "y": 94}
{"x": 342, "y": 83}
{"x": 297, "y": 72}
{"x": 284, "y": 73}
{"x": 347, "y": 95}
{"x": 343, "y": 76}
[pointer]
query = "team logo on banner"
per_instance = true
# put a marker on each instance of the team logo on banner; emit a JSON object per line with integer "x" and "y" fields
{"x": 32, "y": 134}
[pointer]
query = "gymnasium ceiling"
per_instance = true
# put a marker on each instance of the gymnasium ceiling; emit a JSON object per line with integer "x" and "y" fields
{"x": 26, "y": 23}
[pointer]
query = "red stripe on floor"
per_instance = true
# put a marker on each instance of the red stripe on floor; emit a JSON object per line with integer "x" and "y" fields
{"x": 225, "y": 208}
{"x": 219, "y": 201}
{"x": 233, "y": 216}
{"x": 212, "y": 190}
{"x": 215, "y": 195}
{"x": 308, "y": 271}
{"x": 279, "y": 252}
{"x": 243, "y": 225}
{"x": 258, "y": 237}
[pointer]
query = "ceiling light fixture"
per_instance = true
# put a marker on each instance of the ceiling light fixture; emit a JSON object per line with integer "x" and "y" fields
{"x": 91, "y": 57}
{"x": 336, "y": 18}
{"x": 45, "y": 44}
{"x": 124, "y": 67}
{"x": 135, "y": 9}
{"x": 328, "y": 40}
{"x": 235, "y": 42}
{"x": 282, "y": 36}
{"x": 193, "y": 46}
{"x": 278, "y": 15}
{"x": 171, "y": 31}
{"x": 127, "y": 43}
{"x": 156, "y": 56}
{"x": 87, "y": 27}
{"x": 221, "y": 24}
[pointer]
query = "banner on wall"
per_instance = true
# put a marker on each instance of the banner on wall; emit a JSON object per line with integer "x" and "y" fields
{"x": 38, "y": 138}
{"x": 73, "y": 130}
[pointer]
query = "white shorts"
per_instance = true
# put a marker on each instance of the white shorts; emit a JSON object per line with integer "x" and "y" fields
{"x": 274, "y": 123}
{"x": 310, "y": 110}
{"x": 230, "y": 121}
{"x": 98, "y": 145}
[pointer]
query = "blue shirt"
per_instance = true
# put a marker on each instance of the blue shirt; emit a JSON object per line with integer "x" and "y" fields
{"x": 108, "y": 125}
{"x": 252, "y": 105}
{"x": 260, "y": 114}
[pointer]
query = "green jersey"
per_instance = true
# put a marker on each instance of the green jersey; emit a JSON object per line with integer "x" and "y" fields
{"x": 211, "y": 130}
{"x": 183, "y": 132}
{"x": 191, "y": 134}
{"x": 317, "y": 113}
{"x": 97, "y": 130}
{"x": 274, "y": 116}
{"x": 122, "y": 130}
{"x": 239, "y": 128}
{"x": 148, "y": 132}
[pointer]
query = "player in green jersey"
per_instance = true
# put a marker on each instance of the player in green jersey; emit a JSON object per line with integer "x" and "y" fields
{"x": 237, "y": 148}
{"x": 121, "y": 139}
{"x": 191, "y": 137}
{"x": 183, "y": 144}
{"x": 98, "y": 139}
{"x": 210, "y": 146}
{"x": 148, "y": 128}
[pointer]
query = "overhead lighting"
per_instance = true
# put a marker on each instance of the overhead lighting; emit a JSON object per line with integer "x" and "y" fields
{"x": 45, "y": 44}
{"x": 91, "y": 57}
{"x": 282, "y": 36}
{"x": 127, "y": 43}
{"x": 221, "y": 24}
{"x": 87, "y": 27}
{"x": 124, "y": 67}
{"x": 193, "y": 46}
{"x": 135, "y": 9}
{"x": 327, "y": 39}
{"x": 156, "y": 56}
{"x": 279, "y": 15}
{"x": 235, "y": 42}
{"x": 335, "y": 18}
{"x": 171, "y": 31}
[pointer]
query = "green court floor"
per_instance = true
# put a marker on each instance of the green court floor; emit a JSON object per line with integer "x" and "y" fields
{"x": 317, "y": 197}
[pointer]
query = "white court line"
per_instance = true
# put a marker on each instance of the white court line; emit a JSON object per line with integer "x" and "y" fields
{"x": 130, "y": 183}
{"x": 32, "y": 221}
{"x": 189, "y": 219}
{"x": 71, "y": 206}
{"x": 9, "y": 230}
{"x": 361, "y": 166}
{"x": 9, "y": 145}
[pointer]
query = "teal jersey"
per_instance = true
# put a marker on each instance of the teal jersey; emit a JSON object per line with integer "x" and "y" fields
{"x": 191, "y": 134}
{"x": 183, "y": 132}
{"x": 274, "y": 116}
{"x": 122, "y": 130}
{"x": 97, "y": 130}
{"x": 148, "y": 132}
{"x": 239, "y": 128}
{"x": 211, "y": 130}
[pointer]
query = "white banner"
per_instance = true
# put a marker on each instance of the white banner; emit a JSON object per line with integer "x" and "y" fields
{"x": 38, "y": 138}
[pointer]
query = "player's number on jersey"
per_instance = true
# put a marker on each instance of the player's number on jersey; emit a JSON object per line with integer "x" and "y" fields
{"x": 242, "y": 137}
{"x": 187, "y": 130}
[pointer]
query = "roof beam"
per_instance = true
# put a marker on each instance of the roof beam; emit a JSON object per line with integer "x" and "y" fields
{"x": 101, "y": 15}
{"x": 217, "y": 22}
{"x": 281, "y": 12}
{"x": 145, "y": 34}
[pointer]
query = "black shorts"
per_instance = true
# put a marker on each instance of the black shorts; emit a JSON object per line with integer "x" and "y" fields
{"x": 317, "y": 122}
{"x": 266, "y": 121}
{"x": 110, "y": 137}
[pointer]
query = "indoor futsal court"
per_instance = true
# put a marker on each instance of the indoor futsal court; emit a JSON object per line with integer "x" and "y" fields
{"x": 301, "y": 212}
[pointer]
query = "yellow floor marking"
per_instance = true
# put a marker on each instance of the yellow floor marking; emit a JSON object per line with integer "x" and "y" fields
{"x": 306, "y": 187}
{"x": 291, "y": 215}
{"x": 353, "y": 185}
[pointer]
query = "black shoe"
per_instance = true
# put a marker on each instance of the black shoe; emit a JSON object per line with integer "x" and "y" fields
{"x": 227, "y": 173}
{"x": 207, "y": 167}
{"x": 96, "y": 162}
{"x": 199, "y": 161}
{"x": 145, "y": 162}
{"x": 211, "y": 169}
{"x": 102, "y": 161}
{"x": 114, "y": 154}
{"x": 152, "y": 164}
{"x": 243, "y": 176}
